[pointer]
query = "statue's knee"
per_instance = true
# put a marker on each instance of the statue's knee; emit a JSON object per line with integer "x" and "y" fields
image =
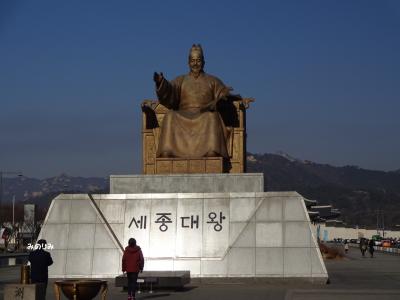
{"x": 166, "y": 154}
{"x": 211, "y": 154}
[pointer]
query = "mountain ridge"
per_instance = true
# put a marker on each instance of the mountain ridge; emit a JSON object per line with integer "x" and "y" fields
{"x": 359, "y": 193}
{"x": 363, "y": 196}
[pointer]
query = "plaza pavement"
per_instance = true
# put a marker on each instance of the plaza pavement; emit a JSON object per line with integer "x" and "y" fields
{"x": 352, "y": 278}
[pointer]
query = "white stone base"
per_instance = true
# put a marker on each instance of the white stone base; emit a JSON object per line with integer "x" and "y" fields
{"x": 266, "y": 234}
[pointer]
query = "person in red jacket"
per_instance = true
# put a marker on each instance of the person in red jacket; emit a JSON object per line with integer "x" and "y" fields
{"x": 132, "y": 264}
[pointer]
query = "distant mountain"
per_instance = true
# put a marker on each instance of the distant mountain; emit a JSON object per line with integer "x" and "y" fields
{"x": 41, "y": 192}
{"x": 357, "y": 192}
{"x": 26, "y": 189}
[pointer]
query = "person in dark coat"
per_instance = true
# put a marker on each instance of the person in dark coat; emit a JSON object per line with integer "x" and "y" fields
{"x": 363, "y": 246}
{"x": 132, "y": 264}
{"x": 371, "y": 248}
{"x": 40, "y": 261}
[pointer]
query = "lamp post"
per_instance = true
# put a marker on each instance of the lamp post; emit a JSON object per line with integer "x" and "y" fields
{"x": 13, "y": 201}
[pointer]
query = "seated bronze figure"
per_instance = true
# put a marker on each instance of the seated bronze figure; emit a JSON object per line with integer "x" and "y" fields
{"x": 198, "y": 116}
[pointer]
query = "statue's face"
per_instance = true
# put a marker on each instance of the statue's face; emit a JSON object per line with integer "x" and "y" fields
{"x": 196, "y": 63}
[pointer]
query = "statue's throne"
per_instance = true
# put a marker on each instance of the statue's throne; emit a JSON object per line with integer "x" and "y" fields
{"x": 233, "y": 113}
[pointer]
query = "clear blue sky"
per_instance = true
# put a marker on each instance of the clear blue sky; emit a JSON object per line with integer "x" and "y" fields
{"x": 325, "y": 75}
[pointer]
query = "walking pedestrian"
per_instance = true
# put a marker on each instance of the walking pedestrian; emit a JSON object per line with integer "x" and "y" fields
{"x": 132, "y": 264}
{"x": 371, "y": 248}
{"x": 363, "y": 246}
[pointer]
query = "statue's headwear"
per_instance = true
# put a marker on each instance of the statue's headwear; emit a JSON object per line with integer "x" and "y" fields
{"x": 196, "y": 48}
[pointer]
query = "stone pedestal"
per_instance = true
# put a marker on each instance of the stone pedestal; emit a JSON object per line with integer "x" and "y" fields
{"x": 240, "y": 234}
{"x": 187, "y": 183}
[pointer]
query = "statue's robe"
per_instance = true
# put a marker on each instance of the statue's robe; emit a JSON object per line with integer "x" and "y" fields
{"x": 192, "y": 127}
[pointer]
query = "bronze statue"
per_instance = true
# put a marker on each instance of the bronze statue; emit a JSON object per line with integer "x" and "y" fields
{"x": 192, "y": 128}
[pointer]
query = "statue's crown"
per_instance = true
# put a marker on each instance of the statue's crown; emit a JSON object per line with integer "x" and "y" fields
{"x": 196, "y": 48}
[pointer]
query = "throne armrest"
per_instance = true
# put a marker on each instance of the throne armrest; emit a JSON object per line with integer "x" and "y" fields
{"x": 244, "y": 102}
{"x": 149, "y": 105}
{"x": 149, "y": 114}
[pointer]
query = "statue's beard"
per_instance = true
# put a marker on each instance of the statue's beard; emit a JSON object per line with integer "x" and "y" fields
{"x": 196, "y": 72}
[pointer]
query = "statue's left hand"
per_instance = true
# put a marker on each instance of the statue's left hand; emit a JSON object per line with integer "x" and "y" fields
{"x": 247, "y": 101}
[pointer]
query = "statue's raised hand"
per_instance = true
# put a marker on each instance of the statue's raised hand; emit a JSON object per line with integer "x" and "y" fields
{"x": 158, "y": 78}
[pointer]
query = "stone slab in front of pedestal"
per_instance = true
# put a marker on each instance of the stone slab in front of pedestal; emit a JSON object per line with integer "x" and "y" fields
{"x": 19, "y": 291}
{"x": 187, "y": 183}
